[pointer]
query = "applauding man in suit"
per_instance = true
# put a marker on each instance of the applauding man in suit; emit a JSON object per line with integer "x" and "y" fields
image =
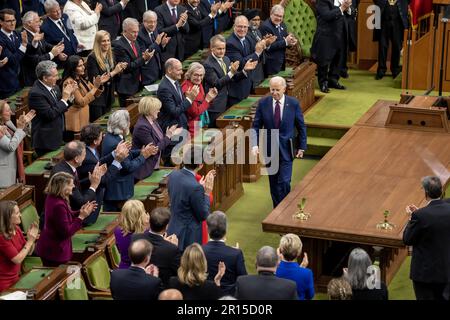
{"x": 126, "y": 49}
{"x": 279, "y": 115}
{"x": 173, "y": 20}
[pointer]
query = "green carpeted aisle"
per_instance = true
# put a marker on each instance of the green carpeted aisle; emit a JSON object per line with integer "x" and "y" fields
{"x": 340, "y": 108}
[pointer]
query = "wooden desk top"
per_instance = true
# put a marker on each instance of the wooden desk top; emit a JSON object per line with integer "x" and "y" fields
{"x": 370, "y": 170}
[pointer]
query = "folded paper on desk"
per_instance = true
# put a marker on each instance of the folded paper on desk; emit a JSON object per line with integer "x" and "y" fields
{"x": 152, "y": 87}
{"x": 16, "y": 295}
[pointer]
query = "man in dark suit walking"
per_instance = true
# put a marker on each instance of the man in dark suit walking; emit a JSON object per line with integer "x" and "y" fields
{"x": 174, "y": 102}
{"x": 394, "y": 20}
{"x": 173, "y": 20}
{"x": 189, "y": 199}
{"x": 56, "y": 28}
{"x": 280, "y": 115}
{"x": 428, "y": 232}
{"x": 150, "y": 39}
{"x": 276, "y": 52}
{"x": 216, "y": 251}
{"x": 38, "y": 49}
{"x": 13, "y": 48}
{"x": 241, "y": 48}
{"x": 350, "y": 17}
{"x": 165, "y": 255}
{"x": 328, "y": 42}
{"x": 45, "y": 97}
{"x": 110, "y": 16}
{"x": 265, "y": 285}
{"x": 219, "y": 73}
{"x": 127, "y": 49}
{"x": 140, "y": 281}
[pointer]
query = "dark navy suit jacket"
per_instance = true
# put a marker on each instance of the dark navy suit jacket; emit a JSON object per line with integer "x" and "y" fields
{"x": 292, "y": 118}
{"x": 53, "y": 35}
{"x": 236, "y": 52}
{"x": 134, "y": 284}
{"x": 216, "y": 251}
{"x": 152, "y": 70}
{"x": 121, "y": 188}
{"x": 144, "y": 134}
{"x": 189, "y": 206}
{"x": 276, "y": 53}
{"x": 9, "y": 73}
{"x": 173, "y": 106}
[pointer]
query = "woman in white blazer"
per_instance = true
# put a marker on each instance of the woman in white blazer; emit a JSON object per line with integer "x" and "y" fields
{"x": 11, "y": 145}
{"x": 84, "y": 21}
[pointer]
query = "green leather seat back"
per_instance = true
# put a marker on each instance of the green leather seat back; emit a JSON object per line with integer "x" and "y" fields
{"x": 98, "y": 273}
{"x": 115, "y": 255}
{"x": 301, "y": 21}
{"x": 29, "y": 215}
{"x": 76, "y": 291}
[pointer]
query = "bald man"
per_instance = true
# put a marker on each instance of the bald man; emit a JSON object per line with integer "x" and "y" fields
{"x": 280, "y": 115}
{"x": 170, "y": 294}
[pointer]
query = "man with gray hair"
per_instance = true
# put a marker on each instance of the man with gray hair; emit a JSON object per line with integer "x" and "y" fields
{"x": 280, "y": 114}
{"x": 39, "y": 49}
{"x": 45, "y": 97}
{"x": 265, "y": 285}
{"x": 428, "y": 232}
{"x": 127, "y": 49}
{"x": 216, "y": 251}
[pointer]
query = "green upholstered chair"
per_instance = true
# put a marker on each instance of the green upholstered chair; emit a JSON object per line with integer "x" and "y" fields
{"x": 301, "y": 21}
{"x": 96, "y": 272}
{"x": 29, "y": 215}
{"x": 112, "y": 253}
{"x": 75, "y": 289}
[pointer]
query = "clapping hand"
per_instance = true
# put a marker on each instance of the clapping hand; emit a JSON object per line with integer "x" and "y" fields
{"x": 122, "y": 151}
{"x": 212, "y": 93}
{"x": 87, "y": 209}
{"x": 234, "y": 66}
{"x": 182, "y": 20}
{"x": 120, "y": 67}
{"x": 24, "y": 119}
{"x": 269, "y": 39}
{"x": 152, "y": 270}
{"x": 33, "y": 232}
{"x": 208, "y": 181}
{"x": 3, "y": 130}
{"x": 220, "y": 272}
{"x": 173, "y": 131}
{"x": 165, "y": 40}
{"x": 260, "y": 46}
{"x": 305, "y": 261}
{"x": 38, "y": 37}
{"x": 24, "y": 36}
{"x": 98, "y": 8}
{"x": 4, "y": 60}
{"x": 193, "y": 92}
{"x": 96, "y": 176}
{"x": 147, "y": 55}
{"x": 172, "y": 239}
{"x": 149, "y": 150}
{"x": 215, "y": 7}
{"x": 250, "y": 65}
{"x": 411, "y": 208}
{"x": 57, "y": 49}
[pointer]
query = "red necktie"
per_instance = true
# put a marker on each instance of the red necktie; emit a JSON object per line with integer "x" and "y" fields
{"x": 277, "y": 115}
{"x": 136, "y": 54}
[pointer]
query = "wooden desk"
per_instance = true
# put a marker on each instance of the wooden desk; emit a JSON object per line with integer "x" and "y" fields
{"x": 105, "y": 224}
{"x": 152, "y": 191}
{"x": 85, "y": 244}
{"x": 370, "y": 170}
{"x": 43, "y": 282}
{"x": 19, "y": 193}
{"x": 242, "y": 114}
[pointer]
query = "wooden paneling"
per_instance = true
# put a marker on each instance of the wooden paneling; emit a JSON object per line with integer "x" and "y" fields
{"x": 367, "y": 51}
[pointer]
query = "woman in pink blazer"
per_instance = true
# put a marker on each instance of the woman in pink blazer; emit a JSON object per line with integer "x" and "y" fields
{"x": 60, "y": 222}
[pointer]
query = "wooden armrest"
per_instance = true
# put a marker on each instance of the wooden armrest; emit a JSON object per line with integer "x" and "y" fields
{"x": 99, "y": 294}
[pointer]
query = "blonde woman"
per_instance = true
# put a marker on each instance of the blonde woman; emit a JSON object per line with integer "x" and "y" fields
{"x": 291, "y": 248}
{"x": 100, "y": 61}
{"x": 147, "y": 131}
{"x": 133, "y": 219}
{"x": 60, "y": 222}
{"x": 192, "y": 276}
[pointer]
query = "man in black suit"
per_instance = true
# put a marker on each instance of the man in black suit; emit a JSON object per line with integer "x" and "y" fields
{"x": 198, "y": 19}
{"x": 265, "y": 285}
{"x": 13, "y": 48}
{"x": 37, "y": 49}
{"x": 45, "y": 97}
{"x": 74, "y": 154}
{"x": 428, "y": 232}
{"x": 241, "y": 48}
{"x": 173, "y": 20}
{"x": 149, "y": 38}
{"x": 110, "y": 16}
{"x": 219, "y": 73}
{"x": 276, "y": 52}
{"x": 165, "y": 255}
{"x": 328, "y": 42}
{"x": 140, "y": 281}
{"x": 127, "y": 49}
{"x": 221, "y": 19}
{"x": 216, "y": 251}
{"x": 92, "y": 136}
{"x": 394, "y": 20}
{"x": 174, "y": 101}
{"x": 349, "y": 36}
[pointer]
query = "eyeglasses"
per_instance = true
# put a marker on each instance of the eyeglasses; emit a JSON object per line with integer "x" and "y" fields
{"x": 242, "y": 27}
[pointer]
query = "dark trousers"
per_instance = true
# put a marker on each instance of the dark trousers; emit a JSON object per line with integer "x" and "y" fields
{"x": 123, "y": 100}
{"x": 113, "y": 205}
{"x": 330, "y": 72}
{"x": 49, "y": 263}
{"x": 212, "y": 118}
{"x": 232, "y": 101}
{"x": 280, "y": 182}
{"x": 390, "y": 31}
{"x": 430, "y": 291}
{"x": 41, "y": 152}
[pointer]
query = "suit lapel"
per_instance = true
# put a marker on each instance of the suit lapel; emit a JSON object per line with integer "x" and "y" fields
{"x": 127, "y": 45}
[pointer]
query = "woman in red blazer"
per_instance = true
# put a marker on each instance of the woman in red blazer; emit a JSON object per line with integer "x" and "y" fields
{"x": 60, "y": 222}
{"x": 194, "y": 77}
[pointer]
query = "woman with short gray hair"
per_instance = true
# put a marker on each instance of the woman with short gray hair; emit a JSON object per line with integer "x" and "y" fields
{"x": 197, "y": 114}
{"x": 121, "y": 189}
{"x": 364, "y": 277}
